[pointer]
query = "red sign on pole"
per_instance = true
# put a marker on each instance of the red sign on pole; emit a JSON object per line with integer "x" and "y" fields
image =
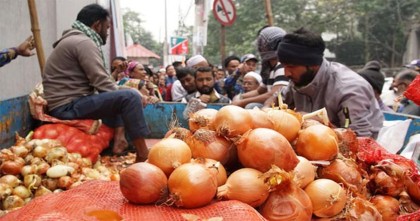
{"x": 224, "y": 11}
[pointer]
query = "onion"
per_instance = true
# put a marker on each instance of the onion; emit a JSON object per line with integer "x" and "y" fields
{"x": 64, "y": 182}
{"x": 42, "y": 190}
{"x": 10, "y": 180}
{"x": 291, "y": 204}
{"x": 343, "y": 171}
{"x": 260, "y": 118}
{"x": 12, "y": 202}
{"x": 12, "y": 166}
{"x": 42, "y": 168}
{"x": 22, "y": 192}
{"x": 32, "y": 181}
{"x": 245, "y": 185}
{"x": 328, "y": 197}
{"x": 59, "y": 171}
{"x": 191, "y": 185}
{"x": 5, "y": 191}
{"x": 262, "y": 147}
{"x": 205, "y": 143}
{"x": 317, "y": 142}
{"x": 56, "y": 154}
{"x": 388, "y": 206}
{"x": 179, "y": 133}
{"x": 168, "y": 154}
{"x": 232, "y": 121}
{"x": 219, "y": 169}
{"x": 20, "y": 151}
{"x": 28, "y": 169}
{"x": 203, "y": 118}
{"x": 50, "y": 183}
{"x": 40, "y": 151}
{"x": 382, "y": 183}
{"x": 284, "y": 123}
{"x": 143, "y": 183}
{"x": 304, "y": 172}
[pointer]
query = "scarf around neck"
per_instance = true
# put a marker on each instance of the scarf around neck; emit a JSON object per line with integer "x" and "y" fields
{"x": 92, "y": 35}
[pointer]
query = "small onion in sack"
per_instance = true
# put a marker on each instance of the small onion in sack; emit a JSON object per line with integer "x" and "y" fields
{"x": 143, "y": 183}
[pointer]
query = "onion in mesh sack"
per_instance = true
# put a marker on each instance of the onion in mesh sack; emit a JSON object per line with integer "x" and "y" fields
{"x": 246, "y": 185}
{"x": 328, "y": 197}
{"x": 232, "y": 121}
{"x": 205, "y": 143}
{"x": 260, "y": 148}
{"x": 168, "y": 154}
{"x": 143, "y": 183}
{"x": 388, "y": 206}
{"x": 317, "y": 142}
{"x": 203, "y": 118}
{"x": 192, "y": 185}
{"x": 287, "y": 201}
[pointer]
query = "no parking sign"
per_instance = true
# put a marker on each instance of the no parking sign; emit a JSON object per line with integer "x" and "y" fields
{"x": 224, "y": 11}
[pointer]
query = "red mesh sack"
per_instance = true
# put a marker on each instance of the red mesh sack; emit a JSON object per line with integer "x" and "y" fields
{"x": 413, "y": 90}
{"x": 75, "y": 140}
{"x": 105, "y": 197}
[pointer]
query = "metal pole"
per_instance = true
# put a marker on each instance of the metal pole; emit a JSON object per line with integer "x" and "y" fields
{"x": 37, "y": 35}
{"x": 222, "y": 44}
{"x": 165, "y": 42}
{"x": 268, "y": 12}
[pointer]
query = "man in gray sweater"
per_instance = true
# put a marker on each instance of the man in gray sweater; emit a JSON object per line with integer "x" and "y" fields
{"x": 77, "y": 85}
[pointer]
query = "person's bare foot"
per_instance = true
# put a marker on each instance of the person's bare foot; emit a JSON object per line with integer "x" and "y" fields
{"x": 142, "y": 151}
{"x": 120, "y": 143}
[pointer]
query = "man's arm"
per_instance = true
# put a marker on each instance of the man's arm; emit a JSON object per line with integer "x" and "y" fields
{"x": 24, "y": 49}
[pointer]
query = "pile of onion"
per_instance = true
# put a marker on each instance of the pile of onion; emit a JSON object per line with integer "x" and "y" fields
{"x": 317, "y": 142}
{"x": 168, "y": 154}
{"x": 192, "y": 185}
{"x": 206, "y": 143}
{"x": 143, "y": 183}
{"x": 260, "y": 118}
{"x": 245, "y": 185}
{"x": 328, "y": 197}
{"x": 260, "y": 148}
{"x": 304, "y": 172}
{"x": 287, "y": 201}
{"x": 285, "y": 123}
{"x": 232, "y": 121}
{"x": 203, "y": 118}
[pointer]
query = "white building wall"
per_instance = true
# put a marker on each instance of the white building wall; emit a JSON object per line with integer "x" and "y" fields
{"x": 19, "y": 77}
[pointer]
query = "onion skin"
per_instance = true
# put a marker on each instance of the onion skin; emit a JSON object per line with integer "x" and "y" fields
{"x": 262, "y": 147}
{"x": 317, "y": 142}
{"x": 203, "y": 118}
{"x": 169, "y": 154}
{"x": 143, "y": 183}
{"x": 191, "y": 186}
{"x": 179, "y": 133}
{"x": 328, "y": 197}
{"x": 388, "y": 206}
{"x": 232, "y": 121}
{"x": 245, "y": 185}
{"x": 283, "y": 205}
{"x": 304, "y": 172}
{"x": 284, "y": 123}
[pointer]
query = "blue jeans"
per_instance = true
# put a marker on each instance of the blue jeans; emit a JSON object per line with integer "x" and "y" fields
{"x": 116, "y": 109}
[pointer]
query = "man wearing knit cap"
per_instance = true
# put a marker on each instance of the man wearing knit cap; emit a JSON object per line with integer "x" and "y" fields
{"x": 316, "y": 83}
{"x": 371, "y": 72}
{"x": 272, "y": 71}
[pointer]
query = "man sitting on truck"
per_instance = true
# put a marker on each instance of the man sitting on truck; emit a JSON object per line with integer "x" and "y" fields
{"x": 77, "y": 85}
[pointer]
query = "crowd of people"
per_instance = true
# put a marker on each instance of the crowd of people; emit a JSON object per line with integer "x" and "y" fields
{"x": 77, "y": 85}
